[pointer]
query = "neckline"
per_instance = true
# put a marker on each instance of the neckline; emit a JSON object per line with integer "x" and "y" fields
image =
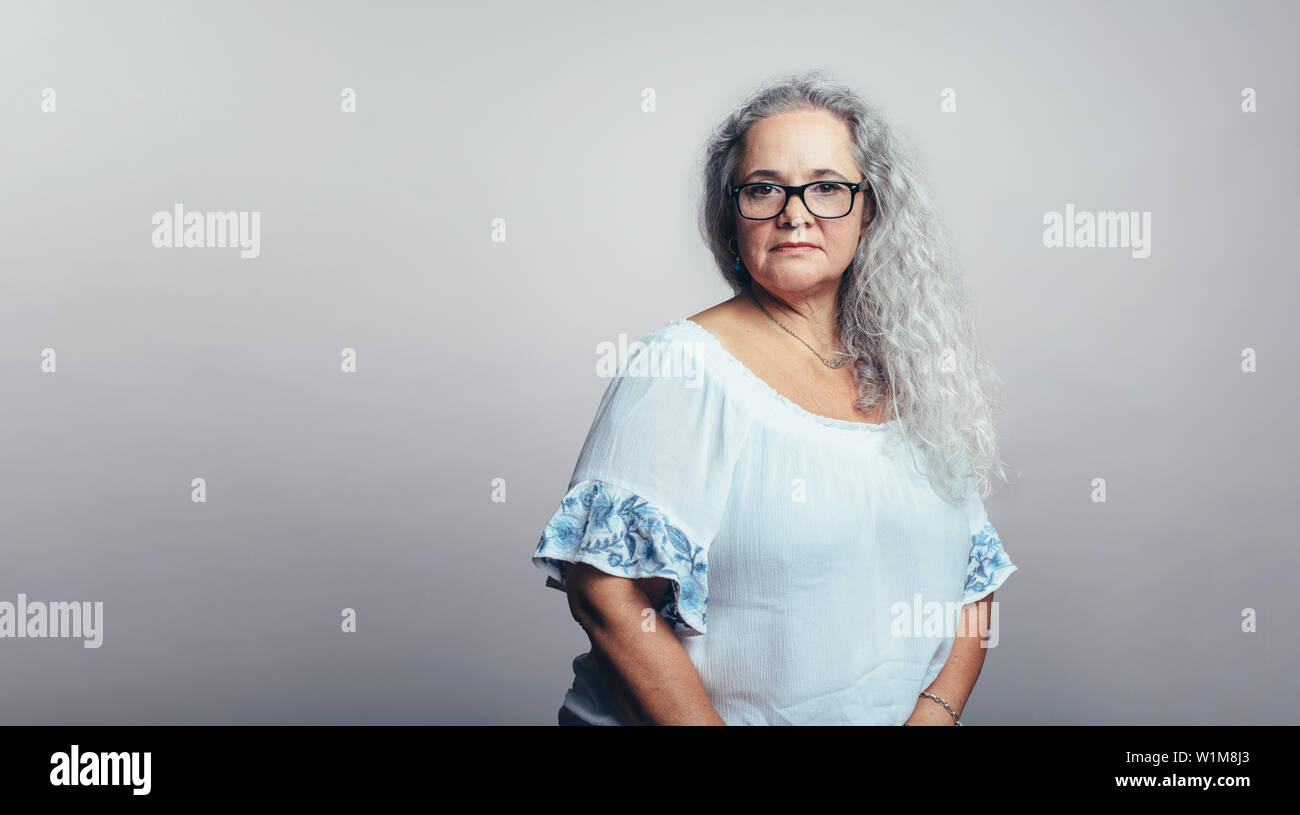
{"x": 762, "y": 385}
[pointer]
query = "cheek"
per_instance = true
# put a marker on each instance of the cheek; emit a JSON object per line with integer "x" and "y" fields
{"x": 755, "y": 238}
{"x": 842, "y": 238}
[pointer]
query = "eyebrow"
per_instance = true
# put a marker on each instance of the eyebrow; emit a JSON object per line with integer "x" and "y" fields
{"x": 773, "y": 174}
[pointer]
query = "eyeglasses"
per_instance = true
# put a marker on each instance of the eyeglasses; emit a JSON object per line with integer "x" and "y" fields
{"x": 763, "y": 200}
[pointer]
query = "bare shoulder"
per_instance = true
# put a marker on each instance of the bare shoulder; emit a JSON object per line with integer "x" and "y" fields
{"x": 728, "y": 321}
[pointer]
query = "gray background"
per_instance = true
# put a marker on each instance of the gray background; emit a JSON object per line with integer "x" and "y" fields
{"x": 477, "y": 359}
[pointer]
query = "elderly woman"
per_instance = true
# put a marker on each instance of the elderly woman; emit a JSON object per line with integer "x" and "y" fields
{"x": 815, "y": 489}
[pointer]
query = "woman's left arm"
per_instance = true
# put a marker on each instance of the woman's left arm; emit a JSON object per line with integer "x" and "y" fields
{"x": 957, "y": 678}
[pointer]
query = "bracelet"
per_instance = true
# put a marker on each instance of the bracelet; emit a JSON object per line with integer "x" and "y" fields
{"x": 955, "y": 718}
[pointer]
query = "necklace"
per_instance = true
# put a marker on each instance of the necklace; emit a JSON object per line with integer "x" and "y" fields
{"x": 837, "y": 364}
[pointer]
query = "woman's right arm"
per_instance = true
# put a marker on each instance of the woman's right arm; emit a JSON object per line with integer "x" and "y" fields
{"x": 648, "y": 673}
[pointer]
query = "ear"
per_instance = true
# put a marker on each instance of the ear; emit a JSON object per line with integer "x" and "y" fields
{"x": 868, "y": 212}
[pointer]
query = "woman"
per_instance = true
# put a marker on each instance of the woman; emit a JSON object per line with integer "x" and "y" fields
{"x": 817, "y": 484}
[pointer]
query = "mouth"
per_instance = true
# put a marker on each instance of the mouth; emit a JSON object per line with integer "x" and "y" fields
{"x": 794, "y": 248}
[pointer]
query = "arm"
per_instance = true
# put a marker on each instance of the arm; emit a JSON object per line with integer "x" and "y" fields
{"x": 649, "y": 673}
{"x": 957, "y": 678}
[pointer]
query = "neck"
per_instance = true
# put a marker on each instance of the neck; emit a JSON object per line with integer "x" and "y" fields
{"x": 813, "y": 318}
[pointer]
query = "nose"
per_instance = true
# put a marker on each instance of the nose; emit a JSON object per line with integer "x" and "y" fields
{"x": 794, "y": 206}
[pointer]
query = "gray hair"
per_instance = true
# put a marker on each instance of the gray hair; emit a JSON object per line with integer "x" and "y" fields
{"x": 901, "y": 307}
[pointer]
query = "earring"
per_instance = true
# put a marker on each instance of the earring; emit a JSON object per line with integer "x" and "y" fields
{"x": 735, "y": 252}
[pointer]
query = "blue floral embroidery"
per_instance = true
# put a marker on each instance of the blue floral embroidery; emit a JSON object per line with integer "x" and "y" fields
{"x": 989, "y": 565}
{"x": 623, "y": 534}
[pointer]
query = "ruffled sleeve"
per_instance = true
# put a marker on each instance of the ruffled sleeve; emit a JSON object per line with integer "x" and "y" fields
{"x": 989, "y": 565}
{"x": 647, "y": 496}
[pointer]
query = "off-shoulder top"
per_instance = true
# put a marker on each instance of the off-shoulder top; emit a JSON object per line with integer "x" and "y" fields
{"x": 817, "y": 576}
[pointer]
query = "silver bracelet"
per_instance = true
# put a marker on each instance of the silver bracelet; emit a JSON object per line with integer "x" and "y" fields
{"x": 955, "y": 718}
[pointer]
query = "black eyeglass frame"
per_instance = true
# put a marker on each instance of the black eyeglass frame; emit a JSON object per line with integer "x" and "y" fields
{"x": 798, "y": 190}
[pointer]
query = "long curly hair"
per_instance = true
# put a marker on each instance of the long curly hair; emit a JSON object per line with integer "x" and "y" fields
{"x": 902, "y": 310}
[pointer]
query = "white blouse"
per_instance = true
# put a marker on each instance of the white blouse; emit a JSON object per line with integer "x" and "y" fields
{"x": 830, "y": 572}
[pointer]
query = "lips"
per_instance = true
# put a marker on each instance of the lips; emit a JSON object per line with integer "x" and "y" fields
{"x": 795, "y": 246}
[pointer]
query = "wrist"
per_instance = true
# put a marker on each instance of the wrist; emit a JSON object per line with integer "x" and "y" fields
{"x": 933, "y": 710}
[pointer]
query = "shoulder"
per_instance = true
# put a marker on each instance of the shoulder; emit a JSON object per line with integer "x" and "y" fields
{"x": 721, "y": 325}
{"x": 669, "y": 401}
{"x": 739, "y": 330}
{"x": 680, "y": 368}
{"x": 728, "y": 321}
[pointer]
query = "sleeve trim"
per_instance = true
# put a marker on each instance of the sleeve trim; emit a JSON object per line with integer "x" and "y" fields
{"x": 621, "y": 533}
{"x": 989, "y": 565}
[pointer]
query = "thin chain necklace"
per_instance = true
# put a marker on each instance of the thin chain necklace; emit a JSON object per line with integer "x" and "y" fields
{"x": 829, "y": 364}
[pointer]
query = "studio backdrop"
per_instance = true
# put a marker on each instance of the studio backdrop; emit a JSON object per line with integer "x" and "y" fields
{"x": 292, "y": 459}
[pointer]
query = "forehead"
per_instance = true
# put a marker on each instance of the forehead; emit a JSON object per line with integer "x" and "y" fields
{"x": 795, "y": 142}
